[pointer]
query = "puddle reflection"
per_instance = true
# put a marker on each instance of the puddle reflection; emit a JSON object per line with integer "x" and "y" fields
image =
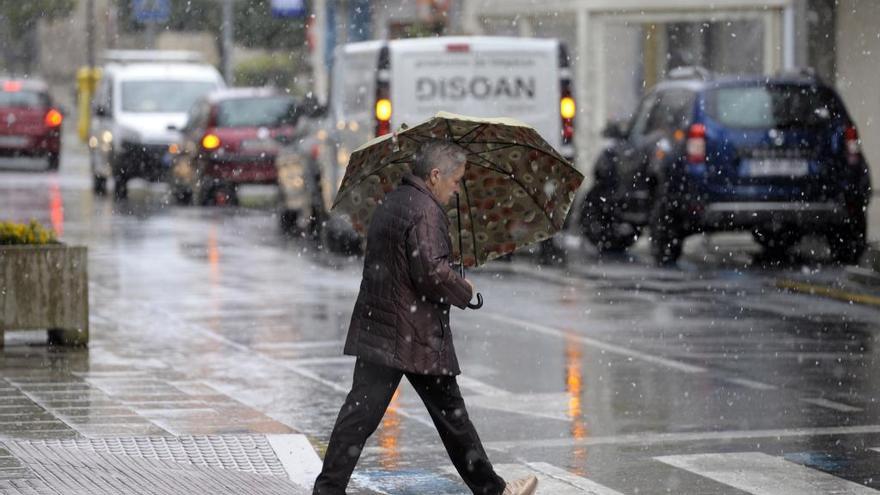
{"x": 574, "y": 385}
{"x": 389, "y": 435}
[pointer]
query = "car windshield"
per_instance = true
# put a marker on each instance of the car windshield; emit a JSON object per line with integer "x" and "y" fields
{"x": 254, "y": 112}
{"x": 163, "y": 96}
{"x": 773, "y": 106}
{"x": 25, "y": 99}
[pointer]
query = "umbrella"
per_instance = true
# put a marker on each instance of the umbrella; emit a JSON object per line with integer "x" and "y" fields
{"x": 516, "y": 189}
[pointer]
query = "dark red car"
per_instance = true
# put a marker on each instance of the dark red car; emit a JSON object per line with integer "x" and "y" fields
{"x": 231, "y": 137}
{"x": 30, "y": 125}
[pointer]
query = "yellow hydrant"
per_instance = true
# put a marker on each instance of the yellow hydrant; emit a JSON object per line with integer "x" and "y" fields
{"x": 86, "y": 82}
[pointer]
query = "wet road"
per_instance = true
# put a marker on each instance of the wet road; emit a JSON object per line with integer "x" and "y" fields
{"x": 605, "y": 376}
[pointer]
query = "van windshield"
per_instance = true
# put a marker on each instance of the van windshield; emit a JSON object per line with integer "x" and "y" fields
{"x": 773, "y": 106}
{"x": 255, "y": 112}
{"x": 163, "y": 96}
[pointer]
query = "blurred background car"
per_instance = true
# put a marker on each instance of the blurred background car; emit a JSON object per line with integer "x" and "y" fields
{"x": 231, "y": 138}
{"x": 30, "y": 125}
{"x": 141, "y": 101}
{"x": 777, "y": 156}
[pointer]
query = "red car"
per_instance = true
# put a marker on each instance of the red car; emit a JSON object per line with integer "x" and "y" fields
{"x": 231, "y": 137}
{"x": 30, "y": 125}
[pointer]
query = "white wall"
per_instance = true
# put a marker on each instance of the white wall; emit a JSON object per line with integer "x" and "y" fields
{"x": 858, "y": 72}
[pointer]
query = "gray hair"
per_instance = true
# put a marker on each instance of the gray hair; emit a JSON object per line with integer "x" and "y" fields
{"x": 440, "y": 154}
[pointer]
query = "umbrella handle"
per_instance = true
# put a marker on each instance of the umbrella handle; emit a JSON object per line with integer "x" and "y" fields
{"x": 479, "y": 302}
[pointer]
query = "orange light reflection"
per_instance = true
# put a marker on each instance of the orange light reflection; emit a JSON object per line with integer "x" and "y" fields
{"x": 574, "y": 387}
{"x": 389, "y": 435}
{"x": 56, "y": 208}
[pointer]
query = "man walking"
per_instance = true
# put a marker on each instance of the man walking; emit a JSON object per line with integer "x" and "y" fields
{"x": 400, "y": 327}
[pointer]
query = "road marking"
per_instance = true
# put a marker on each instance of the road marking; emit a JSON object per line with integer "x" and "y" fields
{"x": 819, "y": 290}
{"x": 584, "y": 485}
{"x": 480, "y": 387}
{"x": 761, "y": 474}
{"x": 876, "y": 449}
{"x": 551, "y": 479}
{"x": 755, "y": 385}
{"x": 611, "y": 348}
{"x": 661, "y": 438}
{"x": 298, "y": 458}
{"x": 830, "y": 404}
{"x": 297, "y": 346}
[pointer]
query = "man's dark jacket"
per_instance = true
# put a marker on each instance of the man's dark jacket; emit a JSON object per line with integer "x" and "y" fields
{"x": 401, "y": 317}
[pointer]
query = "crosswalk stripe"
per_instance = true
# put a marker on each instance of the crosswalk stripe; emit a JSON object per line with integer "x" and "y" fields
{"x": 830, "y": 404}
{"x": 585, "y": 485}
{"x": 761, "y": 474}
{"x": 551, "y": 479}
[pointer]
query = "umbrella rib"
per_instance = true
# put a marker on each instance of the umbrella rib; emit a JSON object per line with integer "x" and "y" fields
{"x": 524, "y": 145}
{"x": 468, "y": 133}
{"x": 473, "y": 227}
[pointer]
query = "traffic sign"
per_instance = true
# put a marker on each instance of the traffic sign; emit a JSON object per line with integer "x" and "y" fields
{"x": 288, "y": 8}
{"x": 145, "y": 11}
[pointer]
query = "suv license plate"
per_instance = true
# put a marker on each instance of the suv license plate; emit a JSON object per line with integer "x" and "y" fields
{"x": 13, "y": 141}
{"x": 776, "y": 168}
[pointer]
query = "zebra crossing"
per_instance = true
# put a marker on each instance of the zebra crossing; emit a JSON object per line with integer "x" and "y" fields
{"x": 756, "y": 473}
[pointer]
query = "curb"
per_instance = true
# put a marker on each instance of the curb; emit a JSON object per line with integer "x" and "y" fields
{"x": 829, "y": 292}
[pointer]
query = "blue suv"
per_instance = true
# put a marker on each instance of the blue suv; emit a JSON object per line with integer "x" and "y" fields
{"x": 777, "y": 156}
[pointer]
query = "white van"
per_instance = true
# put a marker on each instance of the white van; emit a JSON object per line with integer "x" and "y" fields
{"x": 378, "y": 85}
{"x": 142, "y": 99}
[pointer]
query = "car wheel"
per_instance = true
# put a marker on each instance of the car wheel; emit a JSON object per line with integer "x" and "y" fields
{"x": 776, "y": 244}
{"x": 667, "y": 235}
{"x": 120, "y": 186}
{"x": 849, "y": 240}
{"x": 54, "y": 161}
{"x": 99, "y": 185}
{"x": 183, "y": 196}
{"x": 287, "y": 222}
{"x": 600, "y": 226}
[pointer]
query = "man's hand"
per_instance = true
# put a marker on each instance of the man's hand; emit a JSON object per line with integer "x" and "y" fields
{"x": 473, "y": 289}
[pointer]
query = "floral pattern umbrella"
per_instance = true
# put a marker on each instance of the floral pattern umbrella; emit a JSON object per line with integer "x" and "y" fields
{"x": 516, "y": 189}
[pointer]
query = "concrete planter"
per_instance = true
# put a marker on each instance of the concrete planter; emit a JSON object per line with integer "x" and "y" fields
{"x": 45, "y": 287}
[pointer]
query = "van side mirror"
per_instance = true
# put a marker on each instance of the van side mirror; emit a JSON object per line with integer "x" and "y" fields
{"x": 614, "y": 130}
{"x": 100, "y": 111}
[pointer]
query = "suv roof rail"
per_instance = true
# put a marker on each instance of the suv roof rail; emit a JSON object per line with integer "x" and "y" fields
{"x": 689, "y": 72}
{"x": 139, "y": 56}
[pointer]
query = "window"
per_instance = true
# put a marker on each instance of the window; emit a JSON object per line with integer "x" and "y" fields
{"x": 23, "y": 99}
{"x": 162, "y": 96}
{"x": 672, "y": 111}
{"x": 254, "y": 112}
{"x": 773, "y": 106}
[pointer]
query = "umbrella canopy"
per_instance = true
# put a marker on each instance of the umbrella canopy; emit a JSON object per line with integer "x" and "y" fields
{"x": 516, "y": 189}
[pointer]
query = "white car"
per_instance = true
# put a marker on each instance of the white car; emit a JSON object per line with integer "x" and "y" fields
{"x": 141, "y": 102}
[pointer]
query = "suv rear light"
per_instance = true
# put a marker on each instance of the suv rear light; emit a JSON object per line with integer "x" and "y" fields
{"x": 53, "y": 118}
{"x": 210, "y": 142}
{"x": 383, "y": 106}
{"x": 12, "y": 86}
{"x": 852, "y": 145}
{"x": 696, "y": 144}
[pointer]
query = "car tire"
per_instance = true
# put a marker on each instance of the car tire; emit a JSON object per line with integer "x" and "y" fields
{"x": 183, "y": 196}
{"x": 99, "y": 185}
{"x": 599, "y": 226}
{"x": 287, "y": 222}
{"x": 667, "y": 235}
{"x": 848, "y": 241}
{"x": 120, "y": 187}
{"x": 54, "y": 161}
{"x": 776, "y": 244}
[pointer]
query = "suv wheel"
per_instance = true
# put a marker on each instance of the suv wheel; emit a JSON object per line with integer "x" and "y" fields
{"x": 54, "y": 160}
{"x": 776, "y": 244}
{"x": 600, "y": 225}
{"x": 849, "y": 240}
{"x": 99, "y": 185}
{"x": 120, "y": 186}
{"x": 667, "y": 235}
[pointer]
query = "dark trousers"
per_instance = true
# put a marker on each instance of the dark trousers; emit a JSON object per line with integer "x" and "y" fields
{"x": 371, "y": 391}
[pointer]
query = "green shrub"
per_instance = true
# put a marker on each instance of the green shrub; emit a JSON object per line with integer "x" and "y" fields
{"x": 277, "y": 69}
{"x": 32, "y": 233}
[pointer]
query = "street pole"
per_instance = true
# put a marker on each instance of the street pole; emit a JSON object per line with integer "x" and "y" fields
{"x": 226, "y": 28}
{"x": 90, "y": 33}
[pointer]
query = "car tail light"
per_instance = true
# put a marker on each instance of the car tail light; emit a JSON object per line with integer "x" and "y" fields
{"x": 458, "y": 48}
{"x": 210, "y": 142}
{"x": 12, "y": 86}
{"x": 696, "y": 144}
{"x": 567, "y": 104}
{"x": 53, "y": 118}
{"x": 852, "y": 145}
{"x": 383, "y": 116}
